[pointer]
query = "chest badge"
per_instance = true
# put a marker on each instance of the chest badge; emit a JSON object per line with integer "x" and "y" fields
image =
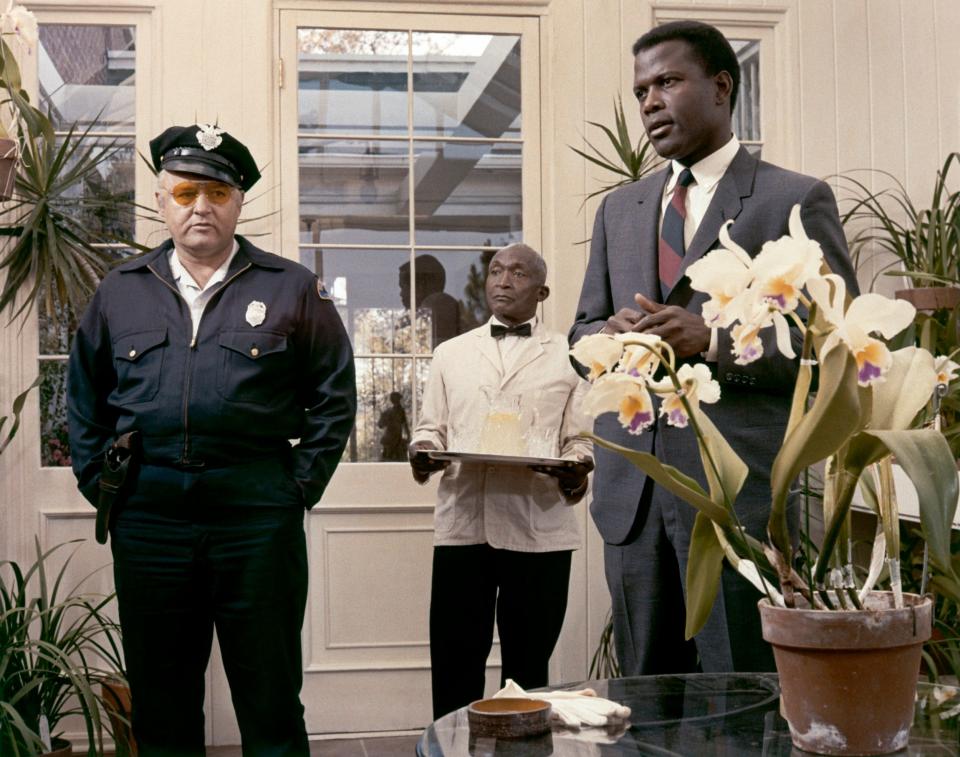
{"x": 256, "y": 313}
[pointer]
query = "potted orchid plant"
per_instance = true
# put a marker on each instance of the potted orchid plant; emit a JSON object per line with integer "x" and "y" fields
{"x": 864, "y": 407}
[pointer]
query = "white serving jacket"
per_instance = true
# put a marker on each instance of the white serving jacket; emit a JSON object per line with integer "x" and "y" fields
{"x": 507, "y": 507}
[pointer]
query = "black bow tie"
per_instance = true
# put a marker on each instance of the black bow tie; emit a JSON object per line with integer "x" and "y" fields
{"x": 496, "y": 330}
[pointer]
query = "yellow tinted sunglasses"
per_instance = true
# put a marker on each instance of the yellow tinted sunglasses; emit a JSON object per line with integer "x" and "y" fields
{"x": 186, "y": 192}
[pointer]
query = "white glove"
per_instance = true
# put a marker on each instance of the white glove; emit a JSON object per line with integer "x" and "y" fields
{"x": 573, "y": 709}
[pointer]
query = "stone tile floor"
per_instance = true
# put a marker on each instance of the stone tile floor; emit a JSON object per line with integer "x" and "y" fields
{"x": 368, "y": 746}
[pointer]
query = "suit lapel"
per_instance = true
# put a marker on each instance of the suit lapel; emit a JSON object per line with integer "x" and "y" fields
{"x": 736, "y": 184}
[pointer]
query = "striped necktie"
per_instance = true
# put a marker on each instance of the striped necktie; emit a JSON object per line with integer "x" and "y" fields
{"x": 671, "y": 234}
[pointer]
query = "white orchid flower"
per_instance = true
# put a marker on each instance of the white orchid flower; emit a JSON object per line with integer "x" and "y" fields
{"x": 641, "y": 353}
{"x": 869, "y": 313}
{"x": 20, "y": 22}
{"x": 598, "y": 353}
{"x": 759, "y": 313}
{"x": 782, "y": 267}
{"x": 625, "y": 395}
{"x": 724, "y": 274}
{"x": 747, "y": 345}
{"x": 696, "y": 385}
{"x": 946, "y": 369}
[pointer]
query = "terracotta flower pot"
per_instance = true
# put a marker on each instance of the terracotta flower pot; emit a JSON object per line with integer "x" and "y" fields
{"x": 60, "y": 748}
{"x": 116, "y": 698}
{"x": 849, "y": 679}
{"x": 8, "y": 167}
{"x": 931, "y": 298}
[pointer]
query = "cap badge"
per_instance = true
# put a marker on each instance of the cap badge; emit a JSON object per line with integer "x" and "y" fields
{"x": 209, "y": 136}
{"x": 256, "y": 313}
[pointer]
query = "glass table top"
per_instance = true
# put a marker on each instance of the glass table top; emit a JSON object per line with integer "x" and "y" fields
{"x": 695, "y": 714}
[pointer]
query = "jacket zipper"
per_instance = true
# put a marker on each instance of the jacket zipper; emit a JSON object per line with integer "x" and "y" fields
{"x": 188, "y": 370}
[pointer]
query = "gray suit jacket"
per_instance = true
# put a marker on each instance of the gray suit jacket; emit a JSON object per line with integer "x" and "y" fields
{"x": 755, "y": 402}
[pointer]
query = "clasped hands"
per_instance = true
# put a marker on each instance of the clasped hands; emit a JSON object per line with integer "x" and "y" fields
{"x": 684, "y": 331}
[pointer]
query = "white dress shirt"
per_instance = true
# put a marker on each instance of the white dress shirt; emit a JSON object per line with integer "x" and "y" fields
{"x": 508, "y": 344}
{"x": 196, "y": 296}
{"x": 706, "y": 176}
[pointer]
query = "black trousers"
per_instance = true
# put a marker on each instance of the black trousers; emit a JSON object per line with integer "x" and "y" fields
{"x": 526, "y": 591}
{"x": 190, "y": 563}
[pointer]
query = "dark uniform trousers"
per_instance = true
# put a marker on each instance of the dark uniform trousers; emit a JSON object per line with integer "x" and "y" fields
{"x": 195, "y": 555}
{"x": 527, "y": 591}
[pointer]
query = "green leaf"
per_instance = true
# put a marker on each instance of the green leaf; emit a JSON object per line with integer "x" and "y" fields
{"x": 724, "y": 469}
{"x": 704, "y": 568}
{"x": 833, "y": 416}
{"x": 925, "y": 457}
{"x": 18, "y": 404}
{"x": 672, "y": 480}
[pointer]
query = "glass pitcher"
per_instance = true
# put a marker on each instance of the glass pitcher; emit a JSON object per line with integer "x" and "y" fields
{"x": 502, "y": 430}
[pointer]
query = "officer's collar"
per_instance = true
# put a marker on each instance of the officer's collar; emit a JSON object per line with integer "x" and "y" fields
{"x": 157, "y": 259}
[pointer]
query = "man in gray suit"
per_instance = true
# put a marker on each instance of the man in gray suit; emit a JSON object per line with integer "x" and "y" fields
{"x": 644, "y": 238}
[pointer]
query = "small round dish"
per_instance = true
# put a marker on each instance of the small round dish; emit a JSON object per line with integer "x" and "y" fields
{"x": 509, "y": 718}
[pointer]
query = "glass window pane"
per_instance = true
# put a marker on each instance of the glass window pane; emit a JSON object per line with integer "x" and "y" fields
{"x": 383, "y": 420}
{"x": 746, "y": 113}
{"x": 101, "y": 205}
{"x": 467, "y": 193}
{"x": 56, "y": 333}
{"x": 54, "y": 446}
{"x": 87, "y": 74}
{"x": 352, "y": 81}
{"x": 466, "y": 85}
{"x": 354, "y": 192}
{"x": 449, "y": 288}
{"x": 371, "y": 291}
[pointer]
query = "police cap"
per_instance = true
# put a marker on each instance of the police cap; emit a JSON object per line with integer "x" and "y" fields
{"x": 206, "y": 150}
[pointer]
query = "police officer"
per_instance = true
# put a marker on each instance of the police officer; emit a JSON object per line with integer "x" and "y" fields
{"x": 218, "y": 353}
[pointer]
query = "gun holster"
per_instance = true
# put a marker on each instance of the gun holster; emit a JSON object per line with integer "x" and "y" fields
{"x": 119, "y": 476}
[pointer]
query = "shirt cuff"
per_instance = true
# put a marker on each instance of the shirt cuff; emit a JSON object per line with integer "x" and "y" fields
{"x": 711, "y": 354}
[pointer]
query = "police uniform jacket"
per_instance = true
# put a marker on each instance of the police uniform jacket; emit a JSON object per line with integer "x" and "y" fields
{"x": 506, "y": 507}
{"x": 233, "y": 395}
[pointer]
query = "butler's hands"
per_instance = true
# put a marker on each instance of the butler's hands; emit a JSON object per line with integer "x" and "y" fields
{"x": 421, "y": 463}
{"x": 571, "y": 478}
{"x": 684, "y": 331}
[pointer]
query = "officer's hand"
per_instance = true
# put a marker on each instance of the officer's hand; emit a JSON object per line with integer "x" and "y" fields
{"x": 623, "y": 320}
{"x": 571, "y": 478}
{"x": 421, "y": 463}
{"x": 684, "y": 331}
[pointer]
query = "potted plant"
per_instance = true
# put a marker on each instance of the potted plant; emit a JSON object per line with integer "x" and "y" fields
{"x": 629, "y": 163}
{"x": 53, "y": 254}
{"x": 865, "y": 407}
{"x": 53, "y": 646}
{"x": 924, "y": 243}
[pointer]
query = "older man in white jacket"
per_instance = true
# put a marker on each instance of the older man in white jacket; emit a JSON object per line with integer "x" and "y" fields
{"x": 503, "y": 533}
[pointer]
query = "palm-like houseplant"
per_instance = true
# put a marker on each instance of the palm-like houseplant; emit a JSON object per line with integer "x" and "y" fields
{"x": 629, "y": 162}
{"x": 55, "y": 647}
{"x": 53, "y": 254}
{"x": 923, "y": 243}
{"x": 866, "y": 406}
